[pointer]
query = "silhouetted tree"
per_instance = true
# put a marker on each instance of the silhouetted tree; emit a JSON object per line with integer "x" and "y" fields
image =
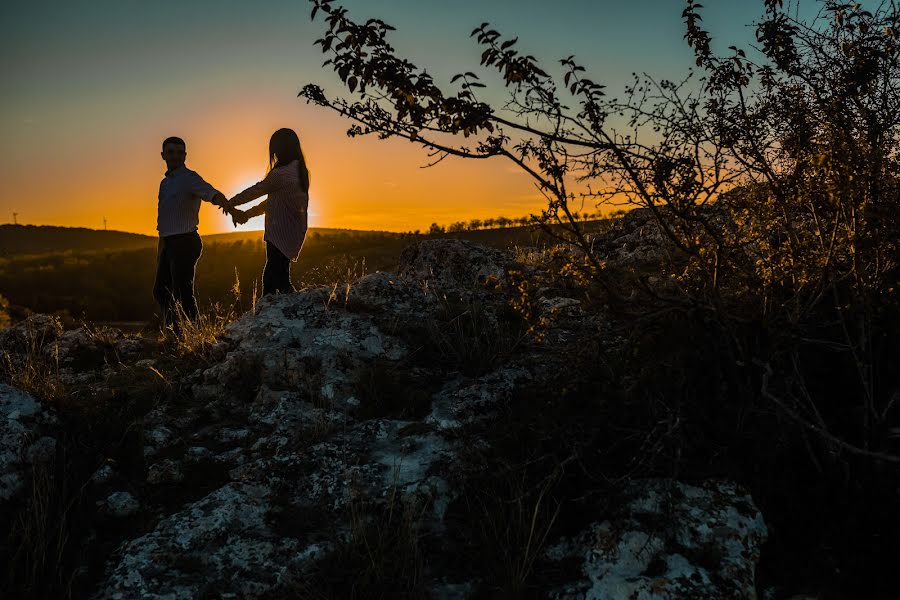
{"x": 773, "y": 175}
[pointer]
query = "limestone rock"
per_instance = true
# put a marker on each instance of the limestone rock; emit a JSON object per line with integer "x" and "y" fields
{"x": 299, "y": 342}
{"x": 220, "y": 546}
{"x": 165, "y": 471}
{"x": 671, "y": 540}
{"x": 121, "y": 504}
{"x": 272, "y": 456}
{"x": 464, "y": 401}
{"x": 22, "y": 443}
{"x": 448, "y": 264}
{"x": 103, "y": 475}
{"x": 387, "y": 292}
{"x": 634, "y": 241}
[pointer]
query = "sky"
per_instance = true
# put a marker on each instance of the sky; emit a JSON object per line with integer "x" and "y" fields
{"x": 91, "y": 88}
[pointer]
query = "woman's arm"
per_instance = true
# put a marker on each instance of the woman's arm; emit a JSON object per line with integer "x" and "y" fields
{"x": 266, "y": 186}
{"x": 259, "y": 209}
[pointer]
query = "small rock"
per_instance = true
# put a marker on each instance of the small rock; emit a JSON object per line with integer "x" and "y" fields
{"x": 122, "y": 504}
{"x": 165, "y": 471}
{"x": 197, "y": 453}
{"x": 42, "y": 450}
{"x": 102, "y": 475}
{"x": 233, "y": 435}
{"x": 234, "y": 456}
{"x": 223, "y": 540}
{"x": 128, "y": 348}
{"x": 159, "y": 436}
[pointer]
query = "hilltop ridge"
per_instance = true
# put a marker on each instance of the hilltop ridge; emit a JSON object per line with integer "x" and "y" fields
{"x": 18, "y": 240}
{"x": 23, "y": 240}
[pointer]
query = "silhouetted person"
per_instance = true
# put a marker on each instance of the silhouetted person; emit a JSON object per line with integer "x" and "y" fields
{"x": 180, "y": 193}
{"x": 287, "y": 186}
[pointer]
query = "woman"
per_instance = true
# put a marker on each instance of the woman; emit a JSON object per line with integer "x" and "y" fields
{"x": 287, "y": 186}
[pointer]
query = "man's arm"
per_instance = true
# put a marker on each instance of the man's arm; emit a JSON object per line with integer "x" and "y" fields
{"x": 205, "y": 191}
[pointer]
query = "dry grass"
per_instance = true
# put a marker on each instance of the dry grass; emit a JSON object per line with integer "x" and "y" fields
{"x": 40, "y": 564}
{"x": 504, "y": 518}
{"x": 337, "y": 272}
{"x": 31, "y": 369}
{"x": 515, "y": 529}
{"x": 471, "y": 338}
{"x": 379, "y": 557}
{"x": 197, "y": 337}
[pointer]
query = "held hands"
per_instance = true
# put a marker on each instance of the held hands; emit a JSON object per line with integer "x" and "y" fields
{"x": 238, "y": 217}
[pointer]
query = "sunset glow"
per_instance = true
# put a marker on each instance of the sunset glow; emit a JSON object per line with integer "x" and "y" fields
{"x": 89, "y": 105}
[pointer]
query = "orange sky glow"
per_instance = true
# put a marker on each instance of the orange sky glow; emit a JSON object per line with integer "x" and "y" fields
{"x": 353, "y": 186}
{"x": 362, "y": 183}
{"x": 93, "y": 89}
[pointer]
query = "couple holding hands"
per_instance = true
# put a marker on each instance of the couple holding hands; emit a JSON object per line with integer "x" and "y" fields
{"x": 286, "y": 186}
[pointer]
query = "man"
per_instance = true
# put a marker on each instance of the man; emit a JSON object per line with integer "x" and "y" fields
{"x": 180, "y": 193}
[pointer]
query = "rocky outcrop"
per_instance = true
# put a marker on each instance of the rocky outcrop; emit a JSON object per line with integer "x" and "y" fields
{"x": 669, "y": 540}
{"x": 634, "y": 241}
{"x": 317, "y": 416}
{"x": 218, "y": 545}
{"x": 26, "y": 439}
{"x": 78, "y": 356}
{"x": 303, "y": 342}
{"x": 452, "y": 264}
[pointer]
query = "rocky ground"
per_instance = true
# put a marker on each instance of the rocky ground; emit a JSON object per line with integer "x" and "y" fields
{"x": 343, "y": 442}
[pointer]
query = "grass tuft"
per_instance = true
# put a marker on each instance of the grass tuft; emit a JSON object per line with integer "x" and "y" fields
{"x": 31, "y": 369}
{"x": 380, "y": 557}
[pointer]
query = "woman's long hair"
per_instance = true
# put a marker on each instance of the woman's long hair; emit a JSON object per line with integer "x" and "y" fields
{"x": 284, "y": 148}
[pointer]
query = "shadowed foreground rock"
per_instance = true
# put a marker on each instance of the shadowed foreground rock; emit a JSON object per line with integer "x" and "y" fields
{"x": 25, "y": 439}
{"x": 331, "y": 413}
{"x": 670, "y": 540}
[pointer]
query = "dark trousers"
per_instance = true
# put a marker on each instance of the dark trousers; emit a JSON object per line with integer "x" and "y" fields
{"x": 277, "y": 274}
{"x": 176, "y": 261}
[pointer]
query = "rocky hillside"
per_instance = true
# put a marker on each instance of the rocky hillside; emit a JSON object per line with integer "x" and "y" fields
{"x": 420, "y": 434}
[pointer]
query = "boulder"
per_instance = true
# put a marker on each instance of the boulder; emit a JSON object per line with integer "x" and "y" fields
{"x": 634, "y": 241}
{"x": 24, "y": 442}
{"x": 220, "y": 546}
{"x": 448, "y": 264}
{"x": 300, "y": 342}
{"x": 389, "y": 293}
{"x": 669, "y": 540}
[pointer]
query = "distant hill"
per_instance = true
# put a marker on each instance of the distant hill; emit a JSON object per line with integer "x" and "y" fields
{"x": 325, "y": 232}
{"x": 20, "y": 240}
{"x": 30, "y": 240}
{"x": 26, "y": 240}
